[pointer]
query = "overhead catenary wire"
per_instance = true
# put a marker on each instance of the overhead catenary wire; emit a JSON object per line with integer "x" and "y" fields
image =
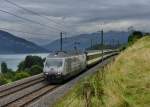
{"x": 32, "y": 21}
{"x": 41, "y": 16}
{"x": 33, "y": 12}
{"x": 58, "y": 24}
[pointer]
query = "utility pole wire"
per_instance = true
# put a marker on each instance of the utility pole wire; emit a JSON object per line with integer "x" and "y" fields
{"x": 26, "y": 19}
{"x": 33, "y": 12}
{"x": 36, "y": 13}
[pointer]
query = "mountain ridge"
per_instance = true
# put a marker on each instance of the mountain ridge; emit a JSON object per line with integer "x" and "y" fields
{"x": 11, "y": 44}
{"x": 84, "y": 40}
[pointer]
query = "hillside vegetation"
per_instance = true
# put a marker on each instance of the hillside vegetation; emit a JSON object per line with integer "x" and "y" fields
{"x": 32, "y": 65}
{"x": 124, "y": 83}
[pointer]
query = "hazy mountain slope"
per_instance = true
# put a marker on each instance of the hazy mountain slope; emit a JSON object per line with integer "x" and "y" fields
{"x": 12, "y": 44}
{"x": 85, "y": 40}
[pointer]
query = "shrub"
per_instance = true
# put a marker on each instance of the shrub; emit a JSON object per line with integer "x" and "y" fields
{"x": 134, "y": 37}
{"x": 35, "y": 70}
{"x": 21, "y": 75}
{"x": 9, "y": 75}
{"x": 4, "y": 80}
{"x": 123, "y": 47}
{"x": 4, "y": 68}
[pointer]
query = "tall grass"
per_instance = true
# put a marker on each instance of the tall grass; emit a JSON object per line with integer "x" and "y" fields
{"x": 124, "y": 83}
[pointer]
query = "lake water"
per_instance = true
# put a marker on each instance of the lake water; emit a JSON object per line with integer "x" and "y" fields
{"x": 14, "y": 59}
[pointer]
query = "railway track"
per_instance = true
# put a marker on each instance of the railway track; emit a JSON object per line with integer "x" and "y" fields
{"x": 25, "y": 91}
{"x": 20, "y": 82}
{"x": 19, "y": 87}
{"x": 31, "y": 97}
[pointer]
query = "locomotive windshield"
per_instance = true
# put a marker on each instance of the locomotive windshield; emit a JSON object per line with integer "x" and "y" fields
{"x": 54, "y": 62}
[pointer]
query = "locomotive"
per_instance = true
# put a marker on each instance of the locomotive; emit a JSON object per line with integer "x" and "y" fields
{"x": 62, "y": 66}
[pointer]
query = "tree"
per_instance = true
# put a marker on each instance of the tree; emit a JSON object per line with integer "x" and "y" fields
{"x": 4, "y": 68}
{"x": 134, "y": 37}
{"x": 147, "y": 34}
{"x": 21, "y": 66}
{"x": 35, "y": 70}
{"x": 29, "y": 62}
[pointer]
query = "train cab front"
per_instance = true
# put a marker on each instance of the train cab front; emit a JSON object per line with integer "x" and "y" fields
{"x": 53, "y": 70}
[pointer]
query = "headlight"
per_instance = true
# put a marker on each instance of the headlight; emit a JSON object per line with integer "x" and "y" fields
{"x": 59, "y": 73}
{"x": 46, "y": 73}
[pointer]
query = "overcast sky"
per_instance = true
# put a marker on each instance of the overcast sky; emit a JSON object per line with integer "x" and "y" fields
{"x": 73, "y": 16}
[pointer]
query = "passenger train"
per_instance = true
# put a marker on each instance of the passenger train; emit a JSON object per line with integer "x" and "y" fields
{"x": 62, "y": 66}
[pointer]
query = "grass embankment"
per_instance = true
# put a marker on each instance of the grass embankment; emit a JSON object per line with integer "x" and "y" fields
{"x": 124, "y": 83}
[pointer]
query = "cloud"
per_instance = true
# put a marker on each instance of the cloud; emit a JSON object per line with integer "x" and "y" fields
{"x": 75, "y": 16}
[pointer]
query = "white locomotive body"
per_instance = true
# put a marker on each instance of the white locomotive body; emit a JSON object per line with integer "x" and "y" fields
{"x": 60, "y": 67}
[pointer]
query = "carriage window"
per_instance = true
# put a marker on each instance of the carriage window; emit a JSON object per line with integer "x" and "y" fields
{"x": 54, "y": 62}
